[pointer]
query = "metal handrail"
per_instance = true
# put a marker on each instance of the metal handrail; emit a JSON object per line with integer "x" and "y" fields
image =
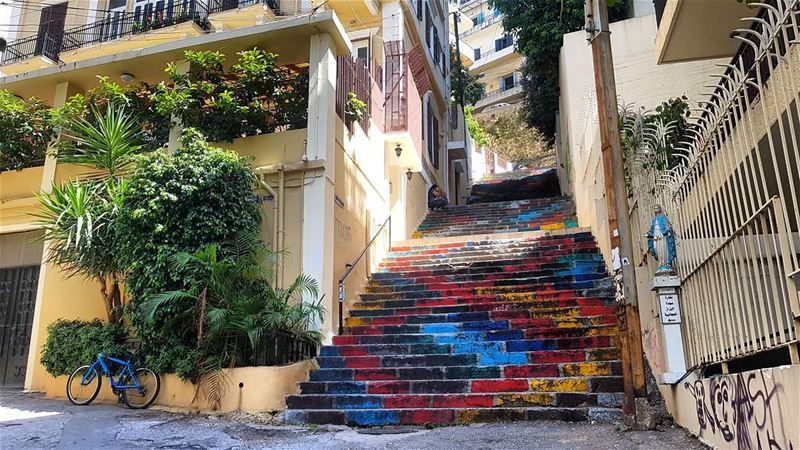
{"x": 352, "y": 265}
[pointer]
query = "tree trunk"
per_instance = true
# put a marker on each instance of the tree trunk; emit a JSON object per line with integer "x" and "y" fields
{"x": 201, "y": 320}
{"x": 110, "y": 290}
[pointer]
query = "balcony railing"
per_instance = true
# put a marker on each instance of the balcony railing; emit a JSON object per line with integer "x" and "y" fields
{"x": 498, "y": 95}
{"x": 485, "y": 23}
{"x": 485, "y": 57}
{"x": 119, "y": 25}
{"x": 403, "y": 106}
{"x": 353, "y": 76}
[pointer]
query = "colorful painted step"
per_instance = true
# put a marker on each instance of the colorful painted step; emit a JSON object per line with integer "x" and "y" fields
{"x": 460, "y": 327}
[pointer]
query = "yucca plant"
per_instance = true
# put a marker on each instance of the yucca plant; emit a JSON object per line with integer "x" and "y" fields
{"x": 233, "y": 307}
{"x": 78, "y": 216}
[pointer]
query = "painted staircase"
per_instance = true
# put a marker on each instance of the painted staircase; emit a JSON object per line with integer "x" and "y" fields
{"x": 516, "y": 185}
{"x": 475, "y": 323}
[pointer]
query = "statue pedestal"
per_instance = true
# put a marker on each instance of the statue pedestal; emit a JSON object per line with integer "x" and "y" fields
{"x": 666, "y": 287}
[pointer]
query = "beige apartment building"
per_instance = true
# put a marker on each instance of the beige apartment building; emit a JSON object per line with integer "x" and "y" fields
{"x": 330, "y": 187}
{"x": 489, "y": 52}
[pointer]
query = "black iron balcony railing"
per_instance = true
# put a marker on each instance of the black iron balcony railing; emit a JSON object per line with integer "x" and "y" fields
{"x": 121, "y": 24}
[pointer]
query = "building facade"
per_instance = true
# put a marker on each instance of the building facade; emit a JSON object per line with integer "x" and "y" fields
{"x": 723, "y": 345}
{"x": 328, "y": 188}
{"x": 488, "y": 52}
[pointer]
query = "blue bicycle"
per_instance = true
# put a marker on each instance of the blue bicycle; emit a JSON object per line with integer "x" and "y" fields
{"x": 138, "y": 387}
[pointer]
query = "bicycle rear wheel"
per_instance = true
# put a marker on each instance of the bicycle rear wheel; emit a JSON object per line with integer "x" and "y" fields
{"x": 80, "y": 392}
{"x": 149, "y": 385}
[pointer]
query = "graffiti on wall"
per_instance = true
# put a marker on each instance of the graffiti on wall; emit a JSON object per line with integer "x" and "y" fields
{"x": 342, "y": 232}
{"x": 744, "y": 408}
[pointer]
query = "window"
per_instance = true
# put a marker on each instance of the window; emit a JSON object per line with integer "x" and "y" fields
{"x": 419, "y": 10}
{"x": 362, "y": 52}
{"x": 479, "y": 19}
{"x": 477, "y": 54}
{"x": 436, "y": 52}
{"x": 428, "y": 25}
{"x": 507, "y": 82}
{"x": 51, "y": 28}
{"x": 504, "y": 42}
{"x": 433, "y": 137}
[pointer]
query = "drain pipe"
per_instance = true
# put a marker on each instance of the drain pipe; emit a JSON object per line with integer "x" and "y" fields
{"x": 280, "y": 231}
{"x": 275, "y": 212}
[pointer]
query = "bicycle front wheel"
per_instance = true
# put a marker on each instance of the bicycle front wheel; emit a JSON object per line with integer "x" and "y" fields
{"x": 143, "y": 396}
{"x": 83, "y": 385}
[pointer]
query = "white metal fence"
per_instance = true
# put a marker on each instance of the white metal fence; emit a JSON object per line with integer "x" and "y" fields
{"x": 734, "y": 198}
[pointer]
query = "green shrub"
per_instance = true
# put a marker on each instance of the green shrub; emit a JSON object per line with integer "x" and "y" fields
{"x": 73, "y": 343}
{"x": 253, "y": 97}
{"x": 27, "y": 129}
{"x": 177, "y": 203}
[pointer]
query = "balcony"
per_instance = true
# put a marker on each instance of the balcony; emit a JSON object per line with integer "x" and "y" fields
{"x": 480, "y": 26}
{"x": 403, "y": 108}
{"x": 498, "y": 97}
{"x": 684, "y": 23}
{"x": 115, "y": 27}
{"x": 492, "y": 56}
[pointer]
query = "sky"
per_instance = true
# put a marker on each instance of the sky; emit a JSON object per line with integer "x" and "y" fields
{"x": 5, "y": 19}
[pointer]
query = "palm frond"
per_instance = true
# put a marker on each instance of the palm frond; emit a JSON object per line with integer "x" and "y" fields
{"x": 152, "y": 304}
{"x": 107, "y": 142}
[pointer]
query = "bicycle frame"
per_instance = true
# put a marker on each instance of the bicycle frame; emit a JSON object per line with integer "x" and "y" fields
{"x": 127, "y": 367}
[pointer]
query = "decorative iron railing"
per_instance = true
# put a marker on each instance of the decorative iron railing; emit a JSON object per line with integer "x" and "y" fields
{"x": 282, "y": 348}
{"x": 113, "y": 26}
{"x": 353, "y": 76}
{"x": 122, "y": 24}
{"x": 494, "y": 18}
{"x": 734, "y": 198}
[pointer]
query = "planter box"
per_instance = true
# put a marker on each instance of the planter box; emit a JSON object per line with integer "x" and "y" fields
{"x": 252, "y": 389}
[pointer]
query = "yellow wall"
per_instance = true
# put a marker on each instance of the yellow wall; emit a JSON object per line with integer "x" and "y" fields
{"x": 265, "y": 150}
{"x": 20, "y": 249}
{"x": 59, "y": 297}
{"x": 361, "y": 185}
{"x": 416, "y": 203}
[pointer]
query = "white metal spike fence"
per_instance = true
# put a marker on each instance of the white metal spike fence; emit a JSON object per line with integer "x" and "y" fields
{"x": 734, "y": 199}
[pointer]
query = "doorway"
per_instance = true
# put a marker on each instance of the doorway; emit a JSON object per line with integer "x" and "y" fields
{"x": 18, "y": 287}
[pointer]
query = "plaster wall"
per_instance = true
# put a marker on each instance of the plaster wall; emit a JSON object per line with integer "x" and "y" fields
{"x": 20, "y": 249}
{"x": 748, "y": 410}
{"x": 362, "y": 205}
{"x": 640, "y": 81}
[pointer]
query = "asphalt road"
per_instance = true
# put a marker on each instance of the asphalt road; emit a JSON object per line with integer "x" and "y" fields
{"x": 29, "y": 421}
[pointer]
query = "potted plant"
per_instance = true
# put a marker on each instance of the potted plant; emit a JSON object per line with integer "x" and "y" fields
{"x": 354, "y": 109}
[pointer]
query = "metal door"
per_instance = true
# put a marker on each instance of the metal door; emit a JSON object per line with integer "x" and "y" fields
{"x": 17, "y": 299}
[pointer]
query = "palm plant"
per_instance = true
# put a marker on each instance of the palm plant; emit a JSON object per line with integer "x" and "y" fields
{"x": 233, "y": 307}
{"x": 78, "y": 216}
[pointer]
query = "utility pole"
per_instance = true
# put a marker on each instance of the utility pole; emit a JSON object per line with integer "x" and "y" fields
{"x": 618, "y": 220}
{"x": 461, "y": 95}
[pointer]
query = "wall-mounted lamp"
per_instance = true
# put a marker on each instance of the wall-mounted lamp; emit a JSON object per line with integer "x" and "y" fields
{"x": 398, "y": 150}
{"x": 409, "y": 174}
{"x": 127, "y": 77}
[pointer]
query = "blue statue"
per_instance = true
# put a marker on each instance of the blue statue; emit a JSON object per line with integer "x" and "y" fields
{"x": 660, "y": 228}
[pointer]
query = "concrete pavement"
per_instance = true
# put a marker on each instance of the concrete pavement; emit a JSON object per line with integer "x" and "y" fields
{"x": 30, "y": 422}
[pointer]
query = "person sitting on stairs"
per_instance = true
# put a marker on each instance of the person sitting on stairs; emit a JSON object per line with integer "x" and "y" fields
{"x": 436, "y": 198}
